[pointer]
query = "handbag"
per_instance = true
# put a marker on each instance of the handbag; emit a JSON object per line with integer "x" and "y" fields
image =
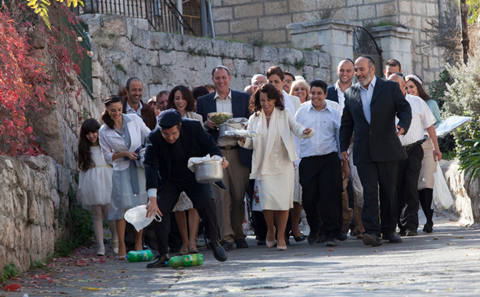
{"x": 442, "y": 198}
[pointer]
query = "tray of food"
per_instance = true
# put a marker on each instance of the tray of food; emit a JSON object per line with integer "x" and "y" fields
{"x": 219, "y": 117}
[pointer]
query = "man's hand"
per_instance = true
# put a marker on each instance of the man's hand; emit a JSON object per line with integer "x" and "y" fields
{"x": 345, "y": 170}
{"x": 345, "y": 156}
{"x": 400, "y": 131}
{"x": 224, "y": 163}
{"x": 210, "y": 124}
{"x": 242, "y": 140}
{"x": 152, "y": 207}
{"x": 437, "y": 155}
{"x": 307, "y": 131}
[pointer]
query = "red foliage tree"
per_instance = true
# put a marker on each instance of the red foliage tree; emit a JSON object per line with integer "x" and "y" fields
{"x": 23, "y": 84}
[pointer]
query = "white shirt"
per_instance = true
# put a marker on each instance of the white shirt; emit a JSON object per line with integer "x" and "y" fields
{"x": 225, "y": 106}
{"x": 366, "y": 96}
{"x": 326, "y": 123}
{"x": 138, "y": 112}
{"x": 341, "y": 97}
{"x": 422, "y": 118}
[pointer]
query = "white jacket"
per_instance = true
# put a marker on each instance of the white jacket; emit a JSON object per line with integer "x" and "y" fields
{"x": 111, "y": 142}
{"x": 286, "y": 126}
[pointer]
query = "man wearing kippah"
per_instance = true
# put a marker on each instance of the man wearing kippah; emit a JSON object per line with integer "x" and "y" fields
{"x": 168, "y": 149}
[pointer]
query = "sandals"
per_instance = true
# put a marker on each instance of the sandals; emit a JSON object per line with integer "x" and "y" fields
{"x": 115, "y": 247}
{"x": 192, "y": 250}
{"x": 183, "y": 252}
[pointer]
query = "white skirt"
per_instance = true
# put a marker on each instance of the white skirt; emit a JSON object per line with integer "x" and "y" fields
{"x": 95, "y": 186}
{"x": 276, "y": 191}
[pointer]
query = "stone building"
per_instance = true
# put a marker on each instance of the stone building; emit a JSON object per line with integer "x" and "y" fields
{"x": 396, "y": 25}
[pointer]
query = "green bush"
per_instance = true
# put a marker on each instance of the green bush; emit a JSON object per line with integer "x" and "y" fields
{"x": 9, "y": 271}
{"x": 79, "y": 223}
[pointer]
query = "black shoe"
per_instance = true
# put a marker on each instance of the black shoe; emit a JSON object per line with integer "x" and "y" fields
{"x": 392, "y": 237}
{"x": 342, "y": 236}
{"x": 428, "y": 227}
{"x": 261, "y": 242}
{"x": 287, "y": 241}
{"x": 331, "y": 242}
{"x": 159, "y": 261}
{"x": 322, "y": 239}
{"x": 299, "y": 238}
{"x": 241, "y": 243}
{"x": 227, "y": 246}
{"x": 371, "y": 239}
{"x": 218, "y": 250}
{"x": 312, "y": 239}
{"x": 402, "y": 233}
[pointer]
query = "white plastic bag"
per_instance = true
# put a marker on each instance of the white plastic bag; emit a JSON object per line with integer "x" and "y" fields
{"x": 137, "y": 216}
{"x": 256, "y": 198}
{"x": 442, "y": 198}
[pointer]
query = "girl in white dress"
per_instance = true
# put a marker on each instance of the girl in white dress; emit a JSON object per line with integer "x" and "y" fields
{"x": 95, "y": 182}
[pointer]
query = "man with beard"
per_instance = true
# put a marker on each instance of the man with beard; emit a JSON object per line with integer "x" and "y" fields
{"x": 369, "y": 114}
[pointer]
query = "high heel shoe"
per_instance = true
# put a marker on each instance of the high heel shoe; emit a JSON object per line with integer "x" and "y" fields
{"x": 115, "y": 247}
{"x": 281, "y": 248}
{"x": 270, "y": 244}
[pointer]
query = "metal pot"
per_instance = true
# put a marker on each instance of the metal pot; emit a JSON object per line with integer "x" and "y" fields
{"x": 229, "y": 127}
{"x": 209, "y": 172}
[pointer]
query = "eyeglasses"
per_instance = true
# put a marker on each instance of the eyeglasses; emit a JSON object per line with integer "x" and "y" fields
{"x": 399, "y": 74}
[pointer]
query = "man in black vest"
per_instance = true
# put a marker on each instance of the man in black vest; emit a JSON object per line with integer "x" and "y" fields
{"x": 168, "y": 149}
{"x": 370, "y": 109}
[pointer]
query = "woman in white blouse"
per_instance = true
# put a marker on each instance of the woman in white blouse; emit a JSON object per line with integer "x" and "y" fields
{"x": 120, "y": 139}
{"x": 273, "y": 156}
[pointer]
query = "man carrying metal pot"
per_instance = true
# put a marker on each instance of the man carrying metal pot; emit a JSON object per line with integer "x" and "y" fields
{"x": 168, "y": 149}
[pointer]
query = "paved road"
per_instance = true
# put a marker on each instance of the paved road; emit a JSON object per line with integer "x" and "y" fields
{"x": 443, "y": 263}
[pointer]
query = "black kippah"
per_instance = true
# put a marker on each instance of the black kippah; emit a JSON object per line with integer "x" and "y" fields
{"x": 169, "y": 118}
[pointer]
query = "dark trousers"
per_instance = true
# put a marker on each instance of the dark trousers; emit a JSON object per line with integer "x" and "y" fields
{"x": 372, "y": 175}
{"x": 202, "y": 199}
{"x": 407, "y": 188}
{"x": 426, "y": 196}
{"x": 321, "y": 181}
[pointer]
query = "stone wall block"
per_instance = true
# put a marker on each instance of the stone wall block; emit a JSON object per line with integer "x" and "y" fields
{"x": 114, "y": 24}
{"x": 248, "y": 51}
{"x": 97, "y": 69}
{"x": 249, "y": 10}
{"x": 141, "y": 38}
{"x": 311, "y": 58}
{"x": 220, "y": 48}
{"x": 268, "y": 53}
{"x": 211, "y": 63}
{"x": 161, "y": 41}
{"x": 386, "y": 9}
{"x": 236, "y": 50}
{"x": 9, "y": 237}
{"x": 279, "y": 7}
{"x": 291, "y": 54}
{"x": 274, "y": 22}
{"x": 222, "y": 13}
{"x": 229, "y": 64}
{"x": 243, "y": 26}
{"x": 168, "y": 58}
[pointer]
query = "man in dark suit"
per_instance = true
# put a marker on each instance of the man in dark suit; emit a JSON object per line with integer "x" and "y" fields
{"x": 230, "y": 202}
{"x": 370, "y": 109}
{"x": 168, "y": 149}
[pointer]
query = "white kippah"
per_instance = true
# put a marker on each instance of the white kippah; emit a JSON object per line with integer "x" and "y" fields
{"x": 413, "y": 76}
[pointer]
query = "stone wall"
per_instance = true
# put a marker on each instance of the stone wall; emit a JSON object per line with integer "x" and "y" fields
{"x": 30, "y": 195}
{"x": 247, "y": 20}
{"x": 267, "y": 19}
{"x": 466, "y": 199}
{"x": 125, "y": 47}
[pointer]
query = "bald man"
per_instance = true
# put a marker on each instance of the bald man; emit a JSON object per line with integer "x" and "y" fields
{"x": 369, "y": 114}
{"x": 409, "y": 169}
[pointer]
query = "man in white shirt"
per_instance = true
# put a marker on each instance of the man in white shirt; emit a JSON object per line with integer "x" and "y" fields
{"x": 409, "y": 169}
{"x": 258, "y": 80}
{"x": 230, "y": 202}
{"x": 320, "y": 168}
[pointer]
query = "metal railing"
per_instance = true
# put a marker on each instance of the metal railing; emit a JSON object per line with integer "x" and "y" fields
{"x": 162, "y": 15}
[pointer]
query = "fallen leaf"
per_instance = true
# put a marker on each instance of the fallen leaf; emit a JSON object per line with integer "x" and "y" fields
{"x": 91, "y": 289}
{"x": 459, "y": 237}
{"x": 72, "y": 286}
{"x": 453, "y": 243}
{"x": 435, "y": 238}
{"x": 375, "y": 251}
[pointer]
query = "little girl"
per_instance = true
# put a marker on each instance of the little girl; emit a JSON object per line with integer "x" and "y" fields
{"x": 95, "y": 183}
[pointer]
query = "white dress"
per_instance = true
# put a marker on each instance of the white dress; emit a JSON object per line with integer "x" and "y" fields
{"x": 276, "y": 191}
{"x": 95, "y": 185}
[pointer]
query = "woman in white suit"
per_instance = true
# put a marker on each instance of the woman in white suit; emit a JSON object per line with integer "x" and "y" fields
{"x": 273, "y": 157}
{"x": 181, "y": 99}
{"x": 120, "y": 137}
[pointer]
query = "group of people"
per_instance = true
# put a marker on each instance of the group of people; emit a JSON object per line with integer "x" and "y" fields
{"x": 341, "y": 152}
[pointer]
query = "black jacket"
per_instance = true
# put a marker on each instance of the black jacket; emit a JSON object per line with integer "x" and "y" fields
{"x": 196, "y": 143}
{"x": 377, "y": 141}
